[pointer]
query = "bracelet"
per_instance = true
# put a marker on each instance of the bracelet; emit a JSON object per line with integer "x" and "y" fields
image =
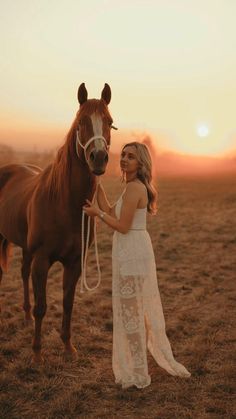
{"x": 102, "y": 214}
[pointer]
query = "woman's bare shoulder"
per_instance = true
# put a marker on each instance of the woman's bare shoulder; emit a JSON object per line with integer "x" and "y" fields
{"x": 135, "y": 186}
{"x": 135, "y": 189}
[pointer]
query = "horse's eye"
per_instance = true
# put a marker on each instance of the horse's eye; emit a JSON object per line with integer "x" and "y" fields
{"x": 113, "y": 127}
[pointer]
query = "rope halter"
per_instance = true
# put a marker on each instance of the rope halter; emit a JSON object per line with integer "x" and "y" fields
{"x": 99, "y": 142}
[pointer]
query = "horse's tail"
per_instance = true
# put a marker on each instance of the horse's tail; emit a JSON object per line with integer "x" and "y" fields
{"x": 4, "y": 253}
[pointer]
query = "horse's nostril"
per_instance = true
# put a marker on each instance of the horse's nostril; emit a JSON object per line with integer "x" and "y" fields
{"x": 92, "y": 156}
{"x": 106, "y": 158}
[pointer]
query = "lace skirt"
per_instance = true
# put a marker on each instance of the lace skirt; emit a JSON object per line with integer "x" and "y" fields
{"x": 138, "y": 320}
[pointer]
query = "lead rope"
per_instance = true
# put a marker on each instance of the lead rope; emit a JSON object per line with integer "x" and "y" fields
{"x": 84, "y": 252}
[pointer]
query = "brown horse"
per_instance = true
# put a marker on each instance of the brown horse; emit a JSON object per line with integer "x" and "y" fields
{"x": 41, "y": 211}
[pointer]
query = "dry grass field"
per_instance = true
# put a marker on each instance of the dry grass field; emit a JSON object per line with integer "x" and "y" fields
{"x": 194, "y": 238}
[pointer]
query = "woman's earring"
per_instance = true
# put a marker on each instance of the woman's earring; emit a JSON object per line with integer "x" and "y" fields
{"x": 140, "y": 171}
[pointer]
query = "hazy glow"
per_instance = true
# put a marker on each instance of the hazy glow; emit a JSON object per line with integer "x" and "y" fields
{"x": 203, "y": 130}
{"x": 169, "y": 64}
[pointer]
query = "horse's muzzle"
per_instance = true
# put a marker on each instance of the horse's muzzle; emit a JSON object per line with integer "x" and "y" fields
{"x": 98, "y": 173}
{"x": 98, "y": 161}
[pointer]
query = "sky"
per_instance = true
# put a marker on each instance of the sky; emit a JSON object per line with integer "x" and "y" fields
{"x": 171, "y": 65}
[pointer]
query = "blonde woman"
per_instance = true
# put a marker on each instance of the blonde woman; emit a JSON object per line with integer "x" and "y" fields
{"x": 138, "y": 320}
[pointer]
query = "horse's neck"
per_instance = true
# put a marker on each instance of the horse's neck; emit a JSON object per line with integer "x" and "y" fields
{"x": 69, "y": 179}
{"x": 82, "y": 184}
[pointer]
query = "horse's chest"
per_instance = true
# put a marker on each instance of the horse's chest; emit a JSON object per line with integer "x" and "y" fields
{"x": 72, "y": 247}
{"x": 69, "y": 244}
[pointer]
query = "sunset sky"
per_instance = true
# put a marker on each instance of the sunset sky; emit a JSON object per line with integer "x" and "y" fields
{"x": 171, "y": 65}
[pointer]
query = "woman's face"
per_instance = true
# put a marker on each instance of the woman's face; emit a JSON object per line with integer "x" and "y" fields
{"x": 128, "y": 160}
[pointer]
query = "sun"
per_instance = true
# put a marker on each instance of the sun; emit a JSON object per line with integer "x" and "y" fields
{"x": 203, "y": 130}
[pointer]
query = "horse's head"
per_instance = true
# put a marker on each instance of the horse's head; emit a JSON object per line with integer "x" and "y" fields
{"x": 93, "y": 126}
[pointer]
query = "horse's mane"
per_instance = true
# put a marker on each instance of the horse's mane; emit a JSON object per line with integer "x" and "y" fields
{"x": 59, "y": 173}
{"x": 60, "y": 169}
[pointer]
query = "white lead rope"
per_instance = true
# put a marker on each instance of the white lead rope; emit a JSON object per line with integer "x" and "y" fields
{"x": 99, "y": 142}
{"x": 84, "y": 252}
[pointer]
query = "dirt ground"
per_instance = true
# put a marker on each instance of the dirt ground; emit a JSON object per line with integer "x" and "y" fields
{"x": 194, "y": 239}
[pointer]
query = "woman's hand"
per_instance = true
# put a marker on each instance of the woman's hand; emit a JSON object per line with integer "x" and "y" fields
{"x": 90, "y": 209}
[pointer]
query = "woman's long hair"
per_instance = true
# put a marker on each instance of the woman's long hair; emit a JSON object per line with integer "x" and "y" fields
{"x": 144, "y": 173}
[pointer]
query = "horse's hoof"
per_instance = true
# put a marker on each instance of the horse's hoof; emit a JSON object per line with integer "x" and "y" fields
{"x": 37, "y": 359}
{"x": 28, "y": 320}
{"x": 70, "y": 356}
{"x": 71, "y": 353}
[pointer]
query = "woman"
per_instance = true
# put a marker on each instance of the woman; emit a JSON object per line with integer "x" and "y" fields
{"x": 138, "y": 320}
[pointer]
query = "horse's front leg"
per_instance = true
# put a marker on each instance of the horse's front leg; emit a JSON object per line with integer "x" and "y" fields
{"x": 40, "y": 267}
{"x": 25, "y": 273}
{"x": 70, "y": 279}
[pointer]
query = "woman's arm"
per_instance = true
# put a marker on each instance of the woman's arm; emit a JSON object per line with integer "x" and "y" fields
{"x": 131, "y": 198}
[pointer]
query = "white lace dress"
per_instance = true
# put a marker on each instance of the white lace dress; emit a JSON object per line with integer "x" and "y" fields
{"x": 138, "y": 320}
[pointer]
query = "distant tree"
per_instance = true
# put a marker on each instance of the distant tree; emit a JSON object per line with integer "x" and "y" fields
{"x": 7, "y": 154}
{"x": 148, "y": 141}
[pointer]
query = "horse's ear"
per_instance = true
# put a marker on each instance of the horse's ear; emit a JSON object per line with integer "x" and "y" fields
{"x": 106, "y": 94}
{"x": 82, "y": 94}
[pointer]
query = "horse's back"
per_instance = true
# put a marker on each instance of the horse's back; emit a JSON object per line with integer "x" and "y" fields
{"x": 17, "y": 174}
{"x": 17, "y": 183}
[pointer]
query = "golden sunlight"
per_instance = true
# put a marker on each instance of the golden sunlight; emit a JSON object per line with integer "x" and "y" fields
{"x": 185, "y": 102}
{"x": 202, "y": 130}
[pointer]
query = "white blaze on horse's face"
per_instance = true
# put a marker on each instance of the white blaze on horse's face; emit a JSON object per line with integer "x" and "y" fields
{"x": 97, "y": 151}
{"x": 97, "y": 124}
